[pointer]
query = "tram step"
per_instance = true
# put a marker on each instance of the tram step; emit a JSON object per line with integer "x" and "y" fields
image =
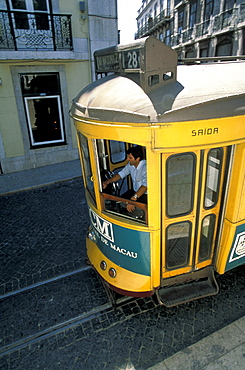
{"x": 191, "y": 290}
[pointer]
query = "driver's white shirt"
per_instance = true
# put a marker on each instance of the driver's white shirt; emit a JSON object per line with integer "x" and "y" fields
{"x": 138, "y": 174}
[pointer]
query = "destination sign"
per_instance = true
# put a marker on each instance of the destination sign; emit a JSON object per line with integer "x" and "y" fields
{"x": 109, "y": 62}
{"x": 119, "y": 60}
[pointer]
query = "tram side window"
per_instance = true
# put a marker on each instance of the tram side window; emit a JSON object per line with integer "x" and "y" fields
{"x": 178, "y": 244}
{"x": 118, "y": 151}
{"x": 213, "y": 177}
{"x": 83, "y": 143}
{"x": 116, "y": 192}
{"x": 180, "y": 184}
{"x": 207, "y": 235}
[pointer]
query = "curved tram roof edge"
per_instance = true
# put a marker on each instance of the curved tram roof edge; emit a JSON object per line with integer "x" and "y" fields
{"x": 205, "y": 96}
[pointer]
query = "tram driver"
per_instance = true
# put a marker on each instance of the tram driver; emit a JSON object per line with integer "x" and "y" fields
{"x": 136, "y": 168}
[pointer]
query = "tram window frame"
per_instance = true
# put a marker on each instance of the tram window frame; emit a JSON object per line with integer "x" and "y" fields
{"x": 153, "y": 80}
{"x": 104, "y": 155}
{"x": 192, "y": 183}
{"x": 86, "y": 162}
{"x": 113, "y": 154}
{"x": 112, "y": 200}
{"x": 215, "y": 194}
{"x": 168, "y": 76}
{"x": 188, "y": 245}
{"x": 209, "y": 238}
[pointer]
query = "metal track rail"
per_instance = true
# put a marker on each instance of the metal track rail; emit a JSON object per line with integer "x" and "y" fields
{"x": 56, "y": 329}
{"x": 29, "y": 287}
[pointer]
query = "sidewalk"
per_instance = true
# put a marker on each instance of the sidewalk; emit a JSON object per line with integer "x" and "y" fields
{"x": 222, "y": 350}
{"x": 41, "y": 176}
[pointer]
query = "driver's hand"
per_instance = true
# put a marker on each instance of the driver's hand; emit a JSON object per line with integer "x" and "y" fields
{"x": 130, "y": 208}
{"x": 104, "y": 184}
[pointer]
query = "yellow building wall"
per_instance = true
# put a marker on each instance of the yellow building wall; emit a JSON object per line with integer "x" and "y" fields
{"x": 9, "y": 122}
{"x": 79, "y": 25}
{"x": 75, "y": 71}
{"x": 78, "y": 76}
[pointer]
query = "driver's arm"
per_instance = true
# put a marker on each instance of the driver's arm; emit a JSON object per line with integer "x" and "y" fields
{"x": 141, "y": 191}
{"x": 114, "y": 178}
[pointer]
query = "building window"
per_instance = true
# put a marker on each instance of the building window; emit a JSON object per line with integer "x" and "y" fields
{"x": 168, "y": 37}
{"x": 42, "y": 101}
{"x": 193, "y": 11}
{"x": 190, "y": 53}
{"x": 150, "y": 20}
{"x": 227, "y": 14}
{"x": 161, "y": 6}
{"x": 209, "y": 5}
{"x": 181, "y": 21}
{"x": 228, "y": 4}
{"x": 204, "y": 50}
{"x": 155, "y": 10}
{"x": 168, "y": 7}
{"x": 22, "y": 17}
{"x": 224, "y": 46}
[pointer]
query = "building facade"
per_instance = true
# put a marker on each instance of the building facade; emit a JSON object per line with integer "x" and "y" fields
{"x": 46, "y": 55}
{"x": 195, "y": 28}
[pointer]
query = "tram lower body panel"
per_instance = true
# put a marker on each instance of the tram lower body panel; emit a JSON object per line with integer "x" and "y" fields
{"x": 120, "y": 255}
{"x": 232, "y": 249}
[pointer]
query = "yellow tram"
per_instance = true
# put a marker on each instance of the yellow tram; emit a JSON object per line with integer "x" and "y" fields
{"x": 189, "y": 121}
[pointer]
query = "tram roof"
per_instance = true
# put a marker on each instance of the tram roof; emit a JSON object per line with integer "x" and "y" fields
{"x": 203, "y": 91}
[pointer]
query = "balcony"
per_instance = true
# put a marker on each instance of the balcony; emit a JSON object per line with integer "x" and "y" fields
{"x": 222, "y": 22}
{"x": 152, "y": 23}
{"x": 35, "y": 31}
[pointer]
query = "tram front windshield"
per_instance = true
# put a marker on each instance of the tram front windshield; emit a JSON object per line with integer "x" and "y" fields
{"x": 116, "y": 197}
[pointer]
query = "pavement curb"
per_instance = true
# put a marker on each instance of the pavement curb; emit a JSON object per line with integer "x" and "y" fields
{"x": 224, "y": 349}
{"x": 41, "y": 176}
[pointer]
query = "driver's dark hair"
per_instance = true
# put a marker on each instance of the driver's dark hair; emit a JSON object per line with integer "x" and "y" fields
{"x": 136, "y": 151}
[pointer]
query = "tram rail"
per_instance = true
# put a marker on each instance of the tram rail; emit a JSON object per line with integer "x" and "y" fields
{"x": 55, "y": 278}
{"x": 58, "y": 328}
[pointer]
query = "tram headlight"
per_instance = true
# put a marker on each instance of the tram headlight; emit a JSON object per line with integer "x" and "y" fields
{"x": 103, "y": 265}
{"x": 112, "y": 272}
{"x": 91, "y": 235}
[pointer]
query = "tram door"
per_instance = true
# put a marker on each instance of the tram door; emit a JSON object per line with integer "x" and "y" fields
{"x": 194, "y": 183}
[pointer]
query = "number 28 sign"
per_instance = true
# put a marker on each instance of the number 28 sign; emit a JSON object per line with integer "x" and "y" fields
{"x": 131, "y": 59}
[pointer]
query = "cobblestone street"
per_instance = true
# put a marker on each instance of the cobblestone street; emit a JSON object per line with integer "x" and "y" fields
{"x": 65, "y": 320}
{"x": 43, "y": 235}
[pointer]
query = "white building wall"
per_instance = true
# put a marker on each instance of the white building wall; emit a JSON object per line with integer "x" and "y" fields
{"x": 103, "y": 25}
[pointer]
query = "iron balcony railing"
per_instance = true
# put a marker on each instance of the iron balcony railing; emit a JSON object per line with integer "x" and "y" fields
{"x": 151, "y": 24}
{"x": 229, "y": 18}
{"x": 35, "y": 31}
